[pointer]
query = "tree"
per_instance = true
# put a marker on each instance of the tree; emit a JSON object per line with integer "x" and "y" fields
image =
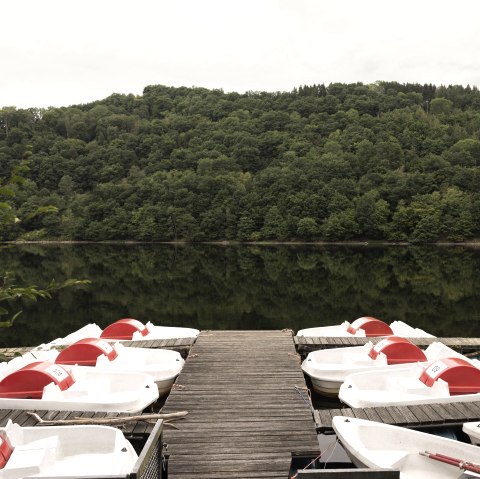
{"x": 10, "y": 293}
{"x": 307, "y": 228}
{"x": 371, "y": 214}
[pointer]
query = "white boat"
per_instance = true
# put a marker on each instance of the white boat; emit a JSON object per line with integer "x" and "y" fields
{"x": 46, "y": 385}
{"x": 446, "y": 380}
{"x": 161, "y": 364}
{"x": 473, "y": 431}
{"x": 64, "y": 451}
{"x": 416, "y": 454}
{"x": 328, "y": 368}
{"x": 366, "y": 326}
{"x": 127, "y": 329}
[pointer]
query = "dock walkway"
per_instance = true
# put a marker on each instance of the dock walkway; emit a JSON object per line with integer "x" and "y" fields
{"x": 415, "y": 416}
{"x": 307, "y": 344}
{"x": 181, "y": 345}
{"x": 248, "y": 409}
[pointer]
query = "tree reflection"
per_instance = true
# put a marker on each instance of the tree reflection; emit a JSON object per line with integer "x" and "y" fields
{"x": 247, "y": 287}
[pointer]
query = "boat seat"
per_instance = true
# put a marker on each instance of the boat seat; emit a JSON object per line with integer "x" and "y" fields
{"x": 31, "y": 459}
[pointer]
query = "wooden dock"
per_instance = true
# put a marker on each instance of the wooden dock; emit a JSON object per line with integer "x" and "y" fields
{"x": 139, "y": 429}
{"x": 181, "y": 345}
{"x": 418, "y": 416}
{"x": 306, "y": 345}
{"x": 248, "y": 408}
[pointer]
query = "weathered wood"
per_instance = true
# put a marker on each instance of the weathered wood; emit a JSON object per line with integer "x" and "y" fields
{"x": 305, "y": 345}
{"x": 181, "y": 345}
{"x": 349, "y": 473}
{"x": 96, "y": 419}
{"x": 415, "y": 416}
{"x": 248, "y": 407}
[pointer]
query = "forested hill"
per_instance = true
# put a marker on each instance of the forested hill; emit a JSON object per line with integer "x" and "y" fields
{"x": 386, "y": 161}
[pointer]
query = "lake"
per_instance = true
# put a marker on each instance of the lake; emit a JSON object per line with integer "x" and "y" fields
{"x": 245, "y": 287}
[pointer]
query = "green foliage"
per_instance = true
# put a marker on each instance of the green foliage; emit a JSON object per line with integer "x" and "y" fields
{"x": 321, "y": 163}
{"x": 11, "y": 295}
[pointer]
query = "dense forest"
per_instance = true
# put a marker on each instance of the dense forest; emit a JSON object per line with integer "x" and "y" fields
{"x": 386, "y": 161}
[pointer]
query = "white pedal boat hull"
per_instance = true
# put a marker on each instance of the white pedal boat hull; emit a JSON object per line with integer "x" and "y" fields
{"x": 376, "y": 445}
{"x": 473, "y": 431}
{"x": 63, "y": 451}
{"x": 328, "y": 368}
{"x": 399, "y": 386}
{"x": 92, "y": 330}
{"x": 399, "y": 328}
{"x": 162, "y": 365}
{"x": 93, "y": 390}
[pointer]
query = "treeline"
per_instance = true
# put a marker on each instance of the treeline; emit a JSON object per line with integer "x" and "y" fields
{"x": 387, "y": 161}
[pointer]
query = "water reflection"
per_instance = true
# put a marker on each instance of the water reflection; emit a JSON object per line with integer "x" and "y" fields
{"x": 246, "y": 287}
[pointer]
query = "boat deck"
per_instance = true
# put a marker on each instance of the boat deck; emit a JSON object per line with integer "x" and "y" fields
{"x": 418, "y": 416}
{"x": 248, "y": 408}
{"x": 306, "y": 344}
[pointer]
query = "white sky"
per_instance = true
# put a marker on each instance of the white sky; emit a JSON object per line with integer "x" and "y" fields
{"x": 62, "y": 52}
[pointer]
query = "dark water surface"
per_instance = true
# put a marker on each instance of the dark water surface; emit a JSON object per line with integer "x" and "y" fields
{"x": 245, "y": 287}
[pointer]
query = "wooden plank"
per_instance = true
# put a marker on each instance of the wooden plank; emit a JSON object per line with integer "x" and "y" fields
{"x": 10, "y": 415}
{"x": 385, "y": 415}
{"x": 402, "y": 415}
{"x": 432, "y": 415}
{"x": 359, "y": 413}
{"x": 449, "y": 413}
{"x": 462, "y": 345}
{"x": 349, "y": 474}
{"x": 467, "y": 412}
{"x": 246, "y": 415}
{"x": 372, "y": 414}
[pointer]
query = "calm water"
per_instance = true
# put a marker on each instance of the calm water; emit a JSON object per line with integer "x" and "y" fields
{"x": 246, "y": 287}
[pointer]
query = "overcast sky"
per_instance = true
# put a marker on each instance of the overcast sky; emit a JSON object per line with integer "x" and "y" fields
{"x": 63, "y": 52}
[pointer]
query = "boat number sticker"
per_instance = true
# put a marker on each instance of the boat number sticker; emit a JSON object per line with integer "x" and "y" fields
{"x": 105, "y": 347}
{"x": 436, "y": 368}
{"x": 380, "y": 345}
{"x": 59, "y": 374}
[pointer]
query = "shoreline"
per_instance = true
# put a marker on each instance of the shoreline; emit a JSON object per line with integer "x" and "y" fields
{"x": 474, "y": 243}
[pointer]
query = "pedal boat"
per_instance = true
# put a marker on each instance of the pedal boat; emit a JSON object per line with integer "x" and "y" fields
{"x": 447, "y": 380}
{"x": 473, "y": 431}
{"x": 46, "y": 385}
{"x": 162, "y": 365}
{"x": 418, "y": 455}
{"x": 127, "y": 329}
{"x": 64, "y": 451}
{"x": 328, "y": 368}
{"x": 366, "y": 326}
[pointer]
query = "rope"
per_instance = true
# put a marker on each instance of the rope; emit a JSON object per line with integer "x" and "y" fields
{"x": 300, "y": 392}
{"x": 317, "y": 458}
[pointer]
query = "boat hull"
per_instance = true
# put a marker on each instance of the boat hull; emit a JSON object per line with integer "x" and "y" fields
{"x": 399, "y": 328}
{"x": 94, "y": 390}
{"x": 396, "y": 386}
{"x": 92, "y": 330}
{"x": 63, "y": 451}
{"x": 473, "y": 431}
{"x": 329, "y": 368}
{"x": 375, "y": 445}
{"x": 326, "y": 388}
{"x": 161, "y": 364}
